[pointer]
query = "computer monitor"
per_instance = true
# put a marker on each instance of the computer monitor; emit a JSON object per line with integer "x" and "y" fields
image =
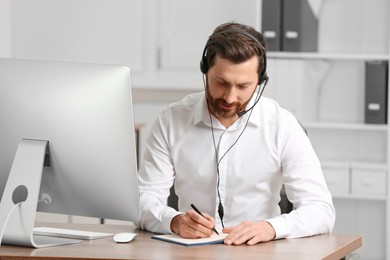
{"x": 67, "y": 144}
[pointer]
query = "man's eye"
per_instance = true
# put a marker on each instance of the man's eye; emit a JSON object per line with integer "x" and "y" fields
{"x": 243, "y": 86}
{"x": 222, "y": 83}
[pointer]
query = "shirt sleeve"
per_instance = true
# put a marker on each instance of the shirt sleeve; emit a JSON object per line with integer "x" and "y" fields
{"x": 313, "y": 211}
{"x": 156, "y": 176}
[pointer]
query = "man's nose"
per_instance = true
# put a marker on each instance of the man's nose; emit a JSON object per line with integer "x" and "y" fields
{"x": 230, "y": 95}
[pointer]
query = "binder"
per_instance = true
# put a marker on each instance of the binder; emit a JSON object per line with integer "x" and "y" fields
{"x": 376, "y": 92}
{"x": 300, "y": 27}
{"x": 272, "y": 24}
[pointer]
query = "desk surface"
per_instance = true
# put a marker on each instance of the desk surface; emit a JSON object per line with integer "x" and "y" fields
{"x": 143, "y": 247}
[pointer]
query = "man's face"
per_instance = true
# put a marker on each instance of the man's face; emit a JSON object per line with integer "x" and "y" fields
{"x": 230, "y": 87}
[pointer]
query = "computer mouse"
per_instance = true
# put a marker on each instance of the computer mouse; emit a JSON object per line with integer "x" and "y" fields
{"x": 124, "y": 237}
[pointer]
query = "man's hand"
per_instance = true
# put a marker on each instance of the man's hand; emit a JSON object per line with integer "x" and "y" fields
{"x": 249, "y": 232}
{"x": 193, "y": 225}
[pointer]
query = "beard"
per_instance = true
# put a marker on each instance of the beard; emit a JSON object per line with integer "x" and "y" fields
{"x": 216, "y": 105}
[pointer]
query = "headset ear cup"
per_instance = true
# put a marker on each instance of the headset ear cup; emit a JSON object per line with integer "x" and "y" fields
{"x": 264, "y": 78}
{"x": 203, "y": 65}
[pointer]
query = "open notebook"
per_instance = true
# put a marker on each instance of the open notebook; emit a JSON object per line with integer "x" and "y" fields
{"x": 214, "y": 239}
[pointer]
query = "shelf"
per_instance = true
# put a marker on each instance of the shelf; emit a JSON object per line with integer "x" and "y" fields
{"x": 327, "y": 56}
{"x": 345, "y": 126}
{"x": 359, "y": 197}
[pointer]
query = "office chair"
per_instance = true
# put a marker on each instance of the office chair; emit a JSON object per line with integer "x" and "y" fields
{"x": 284, "y": 204}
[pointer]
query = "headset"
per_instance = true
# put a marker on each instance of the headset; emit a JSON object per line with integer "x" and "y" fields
{"x": 204, "y": 66}
{"x": 263, "y": 79}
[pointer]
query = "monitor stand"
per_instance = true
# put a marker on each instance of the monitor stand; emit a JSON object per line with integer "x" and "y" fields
{"x": 19, "y": 202}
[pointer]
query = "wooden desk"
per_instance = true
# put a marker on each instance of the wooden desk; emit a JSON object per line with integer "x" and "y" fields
{"x": 143, "y": 247}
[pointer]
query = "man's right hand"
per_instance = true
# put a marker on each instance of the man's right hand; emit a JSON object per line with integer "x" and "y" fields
{"x": 192, "y": 225}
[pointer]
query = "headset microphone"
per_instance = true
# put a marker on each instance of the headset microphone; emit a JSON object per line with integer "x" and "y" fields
{"x": 259, "y": 94}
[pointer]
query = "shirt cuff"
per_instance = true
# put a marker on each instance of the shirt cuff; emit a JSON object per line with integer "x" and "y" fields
{"x": 166, "y": 220}
{"x": 280, "y": 226}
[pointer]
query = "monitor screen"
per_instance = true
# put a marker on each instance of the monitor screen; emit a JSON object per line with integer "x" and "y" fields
{"x": 81, "y": 114}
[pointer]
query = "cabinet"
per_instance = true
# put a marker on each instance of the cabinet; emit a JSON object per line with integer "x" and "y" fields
{"x": 160, "y": 40}
{"x": 112, "y": 32}
{"x": 326, "y": 90}
{"x": 183, "y": 28}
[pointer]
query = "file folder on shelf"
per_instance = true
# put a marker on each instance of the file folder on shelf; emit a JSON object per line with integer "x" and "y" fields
{"x": 300, "y": 27}
{"x": 376, "y": 92}
{"x": 272, "y": 24}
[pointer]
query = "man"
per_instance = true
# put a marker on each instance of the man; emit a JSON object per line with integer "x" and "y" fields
{"x": 228, "y": 152}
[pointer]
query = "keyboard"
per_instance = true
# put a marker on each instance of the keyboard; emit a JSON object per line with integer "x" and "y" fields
{"x": 70, "y": 233}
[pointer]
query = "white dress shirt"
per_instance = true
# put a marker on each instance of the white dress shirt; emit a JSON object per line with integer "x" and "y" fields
{"x": 272, "y": 150}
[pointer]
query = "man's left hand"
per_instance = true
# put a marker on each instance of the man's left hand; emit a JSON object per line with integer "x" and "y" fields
{"x": 249, "y": 232}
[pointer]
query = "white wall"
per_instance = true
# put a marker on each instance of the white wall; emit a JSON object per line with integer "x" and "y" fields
{"x": 6, "y": 28}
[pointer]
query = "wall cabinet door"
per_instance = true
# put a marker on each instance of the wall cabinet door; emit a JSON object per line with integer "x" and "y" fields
{"x": 83, "y": 31}
{"x": 184, "y": 27}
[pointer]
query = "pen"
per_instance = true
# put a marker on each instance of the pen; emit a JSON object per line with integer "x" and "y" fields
{"x": 197, "y": 211}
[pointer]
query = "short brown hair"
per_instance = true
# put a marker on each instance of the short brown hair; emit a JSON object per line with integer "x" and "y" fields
{"x": 237, "y": 43}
